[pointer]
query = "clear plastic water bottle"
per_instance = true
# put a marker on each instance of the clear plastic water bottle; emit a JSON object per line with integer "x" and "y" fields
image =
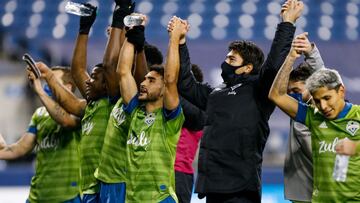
{"x": 132, "y": 20}
{"x": 340, "y": 167}
{"x": 78, "y": 9}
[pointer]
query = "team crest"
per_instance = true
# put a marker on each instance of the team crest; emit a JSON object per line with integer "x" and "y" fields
{"x": 352, "y": 127}
{"x": 150, "y": 119}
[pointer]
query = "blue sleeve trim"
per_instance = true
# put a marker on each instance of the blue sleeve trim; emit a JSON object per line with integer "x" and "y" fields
{"x": 134, "y": 102}
{"x": 171, "y": 114}
{"x": 32, "y": 129}
{"x": 301, "y": 114}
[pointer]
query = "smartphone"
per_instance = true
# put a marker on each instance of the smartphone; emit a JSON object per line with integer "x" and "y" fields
{"x": 31, "y": 63}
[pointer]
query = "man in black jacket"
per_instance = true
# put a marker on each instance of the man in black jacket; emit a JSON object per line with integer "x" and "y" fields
{"x": 236, "y": 128}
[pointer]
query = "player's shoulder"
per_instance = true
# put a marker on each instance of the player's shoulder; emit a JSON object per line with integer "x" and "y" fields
{"x": 41, "y": 111}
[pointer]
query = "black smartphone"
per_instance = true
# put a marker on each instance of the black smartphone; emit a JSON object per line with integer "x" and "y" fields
{"x": 31, "y": 63}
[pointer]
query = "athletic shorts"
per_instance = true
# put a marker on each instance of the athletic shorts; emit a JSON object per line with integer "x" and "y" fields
{"x": 91, "y": 198}
{"x": 112, "y": 193}
{"x": 168, "y": 200}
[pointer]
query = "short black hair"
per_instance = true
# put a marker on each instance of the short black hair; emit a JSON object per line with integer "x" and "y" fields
{"x": 302, "y": 72}
{"x": 153, "y": 55}
{"x": 197, "y": 73}
{"x": 157, "y": 68}
{"x": 250, "y": 53}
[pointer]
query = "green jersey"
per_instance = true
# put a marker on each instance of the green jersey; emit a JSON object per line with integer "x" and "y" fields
{"x": 325, "y": 135}
{"x": 112, "y": 167}
{"x": 151, "y": 150}
{"x": 93, "y": 127}
{"x": 57, "y": 169}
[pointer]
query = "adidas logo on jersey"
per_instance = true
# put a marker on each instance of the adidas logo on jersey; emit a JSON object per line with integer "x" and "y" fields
{"x": 323, "y": 125}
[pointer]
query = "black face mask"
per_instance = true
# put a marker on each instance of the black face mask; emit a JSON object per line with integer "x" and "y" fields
{"x": 228, "y": 73}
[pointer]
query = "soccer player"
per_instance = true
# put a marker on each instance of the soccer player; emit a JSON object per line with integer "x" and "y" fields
{"x": 330, "y": 120}
{"x": 57, "y": 177}
{"x": 112, "y": 169}
{"x": 156, "y": 118}
{"x": 298, "y": 168}
{"x": 236, "y": 130}
{"x": 101, "y": 91}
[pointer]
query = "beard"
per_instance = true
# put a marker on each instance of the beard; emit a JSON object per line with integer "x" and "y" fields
{"x": 148, "y": 97}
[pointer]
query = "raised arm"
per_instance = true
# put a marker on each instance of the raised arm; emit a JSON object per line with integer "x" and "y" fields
{"x": 278, "y": 92}
{"x": 310, "y": 50}
{"x": 78, "y": 64}
{"x": 127, "y": 82}
{"x": 114, "y": 44}
{"x": 23, "y": 146}
{"x": 134, "y": 41}
{"x": 63, "y": 96}
{"x": 281, "y": 44}
{"x": 172, "y": 65}
{"x": 195, "y": 92}
{"x": 141, "y": 68}
{"x": 62, "y": 117}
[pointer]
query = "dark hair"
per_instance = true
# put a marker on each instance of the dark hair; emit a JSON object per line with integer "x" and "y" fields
{"x": 302, "y": 72}
{"x": 153, "y": 55}
{"x": 67, "y": 76}
{"x": 157, "y": 68}
{"x": 197, "y": 73}
{"x": 250, "y": 53}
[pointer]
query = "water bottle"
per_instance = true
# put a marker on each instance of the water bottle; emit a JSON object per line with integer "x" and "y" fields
{"x": 132, "y": 20}
{"x": 78, "y": 9}
{"x": 340, "y": 167}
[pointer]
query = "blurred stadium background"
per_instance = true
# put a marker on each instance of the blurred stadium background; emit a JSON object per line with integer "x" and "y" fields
{"x": 43, "y": 29}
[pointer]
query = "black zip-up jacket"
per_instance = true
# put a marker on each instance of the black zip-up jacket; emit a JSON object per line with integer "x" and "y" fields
{"x": 236, "y": 127}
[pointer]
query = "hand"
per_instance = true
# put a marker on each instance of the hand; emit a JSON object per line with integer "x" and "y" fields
{"x": 35, "y": 82}
{"x": 136, "y": 35}
{"x": 291, "y": 10}
{"x": 294, "y": 54}
{"x": 124, "y": 3}
{"x": 87, "y": 21}
{"x": 2, "y": 142}
{"x": 44, "y": 69}
{"x": 178, "y": 28}
{"x": 302, "y": 44}
{"x": 346, "y": 147}
{"x": 123, "y": 8}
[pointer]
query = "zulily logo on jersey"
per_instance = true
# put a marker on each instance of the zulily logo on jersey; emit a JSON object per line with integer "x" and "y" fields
{"x": 328, "y": 147}
{"x": 118, "y": 115}
{"x": 137, "y": 141}
{"x": 87, "y": 127}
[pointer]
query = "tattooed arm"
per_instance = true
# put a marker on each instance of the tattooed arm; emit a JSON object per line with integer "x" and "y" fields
{"x": 63, "y": 96}
{"x": 56, "y": 112}
{"x": 18, "y": 149}
{"x": 278, "y": 92}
